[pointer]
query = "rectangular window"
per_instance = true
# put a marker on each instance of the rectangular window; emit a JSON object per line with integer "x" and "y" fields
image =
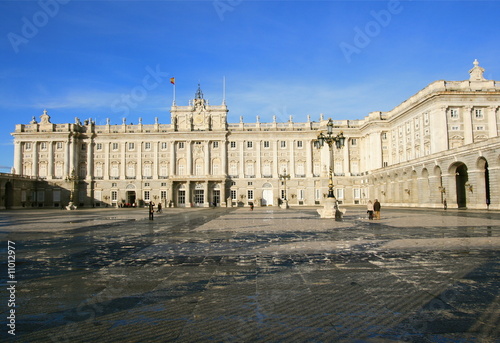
{"x": 43, "y": 146}
{"x": 283, "y": 144}
{"x": 215, "y": 145}
{"x": 115, "y": 146}
{"x": 98, "y": 146}
{"x": 199, "y": 196}
{"x": 147, "y": 146}
{"x": 114, "y": 195}
{"x": 249, "y": 145}
{"x": 146, "y": 195}
{"x": 27, "y": 146}
{"x": 84, "y": 147}
{"x": 181, "y": 145}
{"x": 232, "y": 145}
{"x": 317, "y": 194}
{"x": 233, "y": 169}
{"x": 250, "y": 194}
{"x": 233, "y": 194}
{"x": 164, "y": 145}
{"x": 455, "y": 128}
{"x": 266, "y": 144}
{"x": 354, "y": 142}
{"x": 59, "y": 145}
{"x": 479, "y": 128}
{"x": 301, "y": 194}
{"x": 479, "y": 113}
{"x": 131, "y": 146}
{"x": 454, "y": 113}
{"x": 300, "y": 144}
{"x": 340, "y": 193}
{"x": 357, "y": 193}
{"x": 163, "y": 195}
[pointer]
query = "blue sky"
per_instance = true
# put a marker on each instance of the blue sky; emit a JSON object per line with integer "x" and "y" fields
{"x": 114, "y": 59}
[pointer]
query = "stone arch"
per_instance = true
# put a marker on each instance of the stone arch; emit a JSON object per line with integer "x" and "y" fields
{"x": 460, "y": 171}
{"x": 483, "y": 181}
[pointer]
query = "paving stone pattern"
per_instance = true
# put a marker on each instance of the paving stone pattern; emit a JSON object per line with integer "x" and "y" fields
{"x": 268, "y": 275}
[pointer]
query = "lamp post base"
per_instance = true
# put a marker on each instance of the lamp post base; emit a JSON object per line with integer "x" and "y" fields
{"x": 331, "y": 210}
{"x": 284, "y": 205}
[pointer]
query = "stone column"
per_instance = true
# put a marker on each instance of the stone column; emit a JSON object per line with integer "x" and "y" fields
{"x": 276, "y": 167}
{"x": 139, "y": 173}
{"x": 450, "y": 185}
{"x": 476, "y": 193}
{"x": 189, "y": 159}
{"x": 206, "y": 202}
{"x": 107, "y": 165}
{"x": 494, "y": 175}
{"x": 309, "y": 159}
{"x": 242, "y": 159}
{"x": 34, "y": 167}
{"x": 50, "y": 166}
{"x": 188, "y": 194}
{"x": 68, "y": 158}
{"x": 492, "y": 121}
{"x": 207, "y": 158}
{"x": 223, "y": 147}
{"x": 291, "y": 172}
{"x": 468, "y": 132}
{"x": 18, "y": 158}
{"x": 173, "y": 169}
{"x": 123, "y": 166}
{"x": 346, "y": 159}
{"x": 90, "y": 159}
{"x": 258, "y": 164}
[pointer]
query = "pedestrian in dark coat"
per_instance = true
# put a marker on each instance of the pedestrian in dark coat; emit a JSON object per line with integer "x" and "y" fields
{"x": 376, "y": 209}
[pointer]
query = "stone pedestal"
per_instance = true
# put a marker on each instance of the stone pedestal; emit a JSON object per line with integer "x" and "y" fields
{"x": 331, "y": 210}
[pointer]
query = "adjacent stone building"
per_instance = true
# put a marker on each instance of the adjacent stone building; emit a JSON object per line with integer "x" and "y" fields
{"x": 441, "y": 144}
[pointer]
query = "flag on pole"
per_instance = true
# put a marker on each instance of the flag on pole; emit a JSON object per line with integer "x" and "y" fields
{"x": 172, "y": 80}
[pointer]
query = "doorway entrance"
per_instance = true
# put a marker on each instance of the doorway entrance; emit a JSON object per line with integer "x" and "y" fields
{"x": 216, "y": 197}
{"x": 461, "y": 178}
{"x": 131, "y": 197}
{"x": 267, "y": 197}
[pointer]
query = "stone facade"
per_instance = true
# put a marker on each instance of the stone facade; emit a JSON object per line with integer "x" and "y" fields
{"x": 442, "y": 143}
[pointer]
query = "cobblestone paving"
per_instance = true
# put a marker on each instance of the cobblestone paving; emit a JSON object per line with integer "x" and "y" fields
{"x": 268, "y": 275}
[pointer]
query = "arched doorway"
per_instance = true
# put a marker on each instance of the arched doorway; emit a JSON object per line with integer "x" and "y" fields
{"x": 461, "y": 178}
{"x": 9, "y": 195}
{"x": 267, "y": 194}
{"x": 131, "y": 196}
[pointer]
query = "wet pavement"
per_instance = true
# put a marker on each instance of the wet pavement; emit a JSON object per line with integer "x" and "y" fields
{"x": 268, "y": 275}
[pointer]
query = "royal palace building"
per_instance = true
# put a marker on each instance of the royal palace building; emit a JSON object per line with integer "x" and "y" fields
{"x": 441, "y": 144}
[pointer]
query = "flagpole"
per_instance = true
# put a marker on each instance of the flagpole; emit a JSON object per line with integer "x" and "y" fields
{"x": 174, "y": 95}
{"x": 224, "y": 90}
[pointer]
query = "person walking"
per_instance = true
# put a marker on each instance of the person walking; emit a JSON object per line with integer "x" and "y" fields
{"x": 376, "y": 209}
{"x": 159, "y": 208}
{"x": 369, "y": 209}
{"x": 151, "y": 210}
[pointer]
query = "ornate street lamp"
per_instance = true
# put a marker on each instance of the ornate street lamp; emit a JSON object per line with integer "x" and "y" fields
{"x": 71, "y": 178}
{"x": 330, "y": 139}
{"x": 284, "y": 177}
{"x": 330, "y": 209}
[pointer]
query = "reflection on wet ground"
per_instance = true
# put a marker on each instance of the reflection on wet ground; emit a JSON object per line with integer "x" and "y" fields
{"x": 269, "y": 275}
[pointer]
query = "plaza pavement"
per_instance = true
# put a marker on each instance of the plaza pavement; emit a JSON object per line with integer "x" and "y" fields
{"x": 268, "y": 275}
